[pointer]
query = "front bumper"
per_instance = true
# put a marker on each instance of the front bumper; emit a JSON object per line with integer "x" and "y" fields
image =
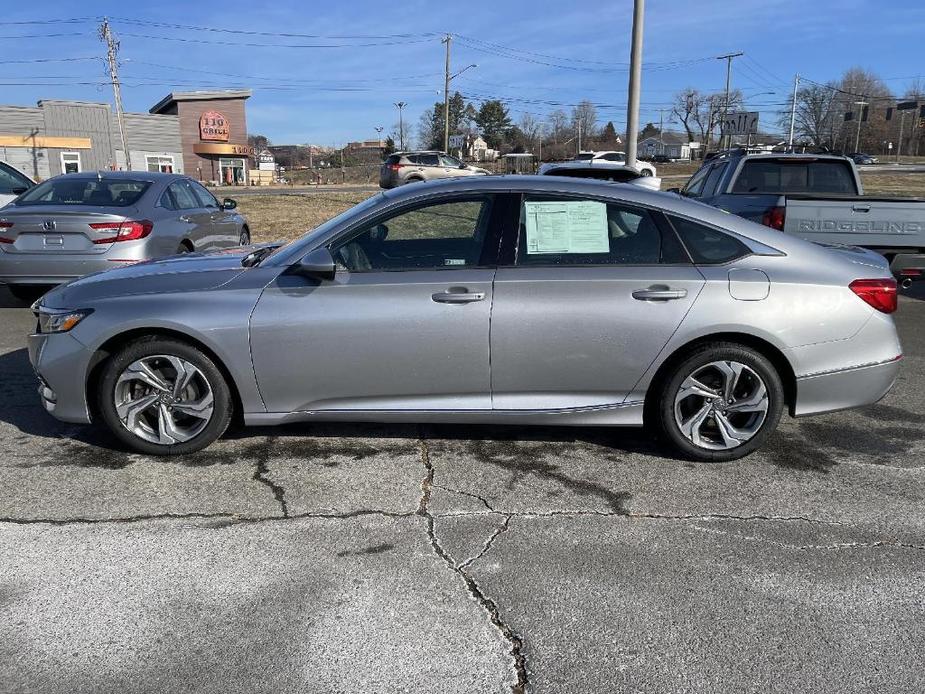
{"x": 61, "y": 363}
{"x": 846, "y": 388}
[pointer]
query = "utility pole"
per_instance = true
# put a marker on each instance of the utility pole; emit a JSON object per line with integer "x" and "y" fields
{"x": 446, "y": 95}
{"x": 579, "y": 137}
{"x": 661, "y": 125}
{"x": 112, "y": 47}
{"x": 899, "y": 143}
{"x": 793, "y": 110}
{"x": 379, "y": 130}
{"x": 728, "y": 58}
{"x": 857, "y": 138}
{"x": 401, "y": 125}
{"x": 635, "y": 83}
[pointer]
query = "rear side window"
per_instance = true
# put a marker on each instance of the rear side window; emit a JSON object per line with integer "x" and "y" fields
{"x": 706, "y": 245}
{"x": 796, "y": 176}
{"x": 590, "y": 232}
{"x": 11, "y": 180}
{"x": 182, "y": 196}
{"x": 393, "y": 159}
{"x": 90, "y": 192}
{"x": 428, "y": 159}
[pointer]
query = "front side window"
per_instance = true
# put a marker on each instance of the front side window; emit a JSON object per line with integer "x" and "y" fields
{"x": 591, "y": 232}
{"x": 716, "y": 172}
{"x": 695, "y": 184}
{"x": 105, "y": 192}
{"x": 428, "y": 159}
{"x": 206, "y": 199}
{"x": 451, "y": 162}
{"x": 11, "y": 180}
{"x": 444, "y": 235}
{"x": 706, "y": 245}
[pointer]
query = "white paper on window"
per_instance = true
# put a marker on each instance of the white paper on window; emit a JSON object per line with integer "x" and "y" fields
{"x": 572, "y": 226}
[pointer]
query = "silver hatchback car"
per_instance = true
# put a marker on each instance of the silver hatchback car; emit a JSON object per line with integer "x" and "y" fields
{"x": 522, "y": 300}
{"x": 76, "y": 224}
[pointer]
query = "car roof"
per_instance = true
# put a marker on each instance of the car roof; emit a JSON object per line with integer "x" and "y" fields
{"x": 150, "y": 176}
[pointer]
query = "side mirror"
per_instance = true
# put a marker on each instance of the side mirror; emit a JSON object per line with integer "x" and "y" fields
{"x": 674, "y": 190}
{"x": 317, "y": 264}
{"x": 19, "y": 190}
{"x": 229, "y": 204}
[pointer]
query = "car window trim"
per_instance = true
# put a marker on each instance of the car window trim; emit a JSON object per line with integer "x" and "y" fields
{"x": 514, "y": 229}
{"x": 411, "y": 206}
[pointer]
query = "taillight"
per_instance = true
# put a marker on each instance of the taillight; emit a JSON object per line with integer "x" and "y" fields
{"x": 5, "y": 225}
{"x": 879, "y": 293}
{"x": 395, "y": 167}
{"x": 774, "y": 218}
{"x": 125, "y": 231}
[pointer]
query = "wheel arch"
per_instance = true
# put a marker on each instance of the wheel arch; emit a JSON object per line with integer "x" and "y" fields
{"x": 116, "y": 342}
{"x": 768, "y": 350}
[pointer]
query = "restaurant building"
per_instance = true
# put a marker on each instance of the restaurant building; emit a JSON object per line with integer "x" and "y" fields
{"x": 202, "y": 134}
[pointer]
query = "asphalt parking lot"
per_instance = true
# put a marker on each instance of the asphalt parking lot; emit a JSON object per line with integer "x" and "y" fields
{"x": 358, "y": 558}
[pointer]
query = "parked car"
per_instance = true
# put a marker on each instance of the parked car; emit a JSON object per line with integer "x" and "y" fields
{"x": 608, "y": 305}
{"x": 414, "y": 167}
{"x": 601, "y": 171}
{"x": 75, "y": 224}
{"x": 661, "y": 159}
{"x": 614, "y": 157}
{"x": 818, "y": 197}
{"x": 13, "y": 183}
{"x": 861, "y": 158}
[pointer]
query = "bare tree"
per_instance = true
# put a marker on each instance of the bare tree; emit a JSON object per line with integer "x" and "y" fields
{"x": 529, "y": 126}
{"x": 584, "y": 116}
{"x": 687, "y": 104}
{"x": 558, "y": 124}
{"x": 814, "y": 114}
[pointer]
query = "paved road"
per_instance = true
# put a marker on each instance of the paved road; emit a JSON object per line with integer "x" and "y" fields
{"x": 463, "y": 559}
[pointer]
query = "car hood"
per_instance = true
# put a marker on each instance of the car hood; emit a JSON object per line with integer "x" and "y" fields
{"x": 189, "y": 272}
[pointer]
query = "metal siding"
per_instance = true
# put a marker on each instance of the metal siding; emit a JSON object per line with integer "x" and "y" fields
{"x": 24, "y": 120}
{"x": 80, "y": 120}
{"x": 22, "y": 158}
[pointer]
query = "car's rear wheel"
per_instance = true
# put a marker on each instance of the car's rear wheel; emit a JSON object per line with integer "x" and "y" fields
{"x": 719, "y": 403}
{"x": 27, "y": 292}
{"x": 645, "y": 172}
{"x": 164, "y": 397}
{"x": 414, "y": 179}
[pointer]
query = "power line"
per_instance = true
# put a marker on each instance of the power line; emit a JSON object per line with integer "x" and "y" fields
{"x": 276, "y": 45}
{"x": 246, "y": 32}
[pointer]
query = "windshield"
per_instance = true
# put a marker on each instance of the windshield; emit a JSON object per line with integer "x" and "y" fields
{"x": 88, "y": 192}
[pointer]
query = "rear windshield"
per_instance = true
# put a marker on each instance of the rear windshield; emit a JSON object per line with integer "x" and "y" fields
{"x": 795, "y": 177}
{"x": 393, "y": 159}
{"x": 88, "y": 192}
{"x": 587, "y": 156}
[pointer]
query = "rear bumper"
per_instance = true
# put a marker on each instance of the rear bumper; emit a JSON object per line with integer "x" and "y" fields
{"x": 843, "y": 389}
{"x": 908, "y": 266}
{"x": 34, "y": 268}
{"x": 61, "y": 364}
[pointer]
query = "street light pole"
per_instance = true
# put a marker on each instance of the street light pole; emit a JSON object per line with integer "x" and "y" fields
{"x": 379, "y": 130}
{"x": 635, "y": 82}
{"x": 793, "y": 110}
{"x": 401, "y": 125}
{"x": 857, "y": 137}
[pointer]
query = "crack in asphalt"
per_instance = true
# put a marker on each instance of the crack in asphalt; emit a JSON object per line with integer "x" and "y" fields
{"x": 261, "y": 470}
{"x": 233, "y": 519}
{"x": 494, "y": 614}
{"x": 489, "y": 542}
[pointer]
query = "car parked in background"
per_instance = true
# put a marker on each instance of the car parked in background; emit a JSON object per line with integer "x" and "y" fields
{"x": 76, "y": 224}
{"x": 414, "y": 167}
{"x": 818, "y": 197}
{"x": 13, "y": 183}
{"x": 600, "y": 170}
{"x": 861, "y": 158}
{"x": 498, "y": 299}
{"x": 615, "y": 157}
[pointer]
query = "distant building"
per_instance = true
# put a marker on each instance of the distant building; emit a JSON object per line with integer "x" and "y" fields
{"x": 669, "y": 144}
{"x": 365, "y": 145}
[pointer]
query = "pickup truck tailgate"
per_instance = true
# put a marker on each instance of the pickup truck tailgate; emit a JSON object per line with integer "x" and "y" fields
{"x": 868, "y": 222}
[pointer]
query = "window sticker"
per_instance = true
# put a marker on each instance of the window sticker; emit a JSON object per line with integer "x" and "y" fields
{"x": 573, "y": 226}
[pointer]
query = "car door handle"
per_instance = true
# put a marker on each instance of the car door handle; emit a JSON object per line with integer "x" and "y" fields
{"x": 659, "y": 294}
{"x": 451, "y": 297}
{"x": 185, "y": 218}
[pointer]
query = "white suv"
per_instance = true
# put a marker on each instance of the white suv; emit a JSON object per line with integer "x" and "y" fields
{"x": 13, "y": 183}
{"x": 645, "y": 168}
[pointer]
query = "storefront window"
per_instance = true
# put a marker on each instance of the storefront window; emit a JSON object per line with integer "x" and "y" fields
{"x": 70, "y": 162}
{"x": 161, "y": 164}
{"x": 232, "y": 172}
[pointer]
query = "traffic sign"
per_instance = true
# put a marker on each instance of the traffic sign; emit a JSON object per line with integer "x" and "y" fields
{"x": 740, "y": 123}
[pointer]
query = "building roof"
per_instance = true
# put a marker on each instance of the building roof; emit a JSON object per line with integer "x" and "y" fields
{"x": 669, "y": 138}
{"x": 199, "y": 95}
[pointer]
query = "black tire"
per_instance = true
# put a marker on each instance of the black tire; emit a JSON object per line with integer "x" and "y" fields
{"x": 184, "y": 248}
{"x": 663, "y": 412}
{"x": 27, "y": 293}
{"x": 645, "y": 172}
{"x": 245, "y": 238}
{"x": 146, "y": 347}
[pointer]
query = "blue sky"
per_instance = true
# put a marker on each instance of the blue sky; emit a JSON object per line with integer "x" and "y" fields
{"x": 343, "y": 90}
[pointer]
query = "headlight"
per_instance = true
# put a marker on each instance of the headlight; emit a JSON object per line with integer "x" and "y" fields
{"x": 59, "y": 320}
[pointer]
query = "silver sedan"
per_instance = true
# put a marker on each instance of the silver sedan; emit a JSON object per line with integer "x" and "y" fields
{"x": 523, "y": 300}
{"x": 76, "y": 224}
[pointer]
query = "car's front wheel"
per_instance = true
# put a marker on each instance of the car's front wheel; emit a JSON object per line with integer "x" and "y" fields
{"x": 245, "y": 238}
{"x": 720, "y": 403}
{"x": 164, "y": 397}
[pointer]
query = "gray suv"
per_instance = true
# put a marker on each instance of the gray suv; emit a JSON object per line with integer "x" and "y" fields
{"x": 411, "y": 167}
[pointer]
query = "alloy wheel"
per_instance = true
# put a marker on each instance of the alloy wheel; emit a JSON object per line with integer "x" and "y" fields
{"x": 163, "y": 399}
{"x": 721, "y": 405}
{"x": 245, "y": 239}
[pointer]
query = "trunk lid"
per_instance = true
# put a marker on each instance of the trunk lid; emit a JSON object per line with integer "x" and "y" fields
{"x": 58, "y": 229}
